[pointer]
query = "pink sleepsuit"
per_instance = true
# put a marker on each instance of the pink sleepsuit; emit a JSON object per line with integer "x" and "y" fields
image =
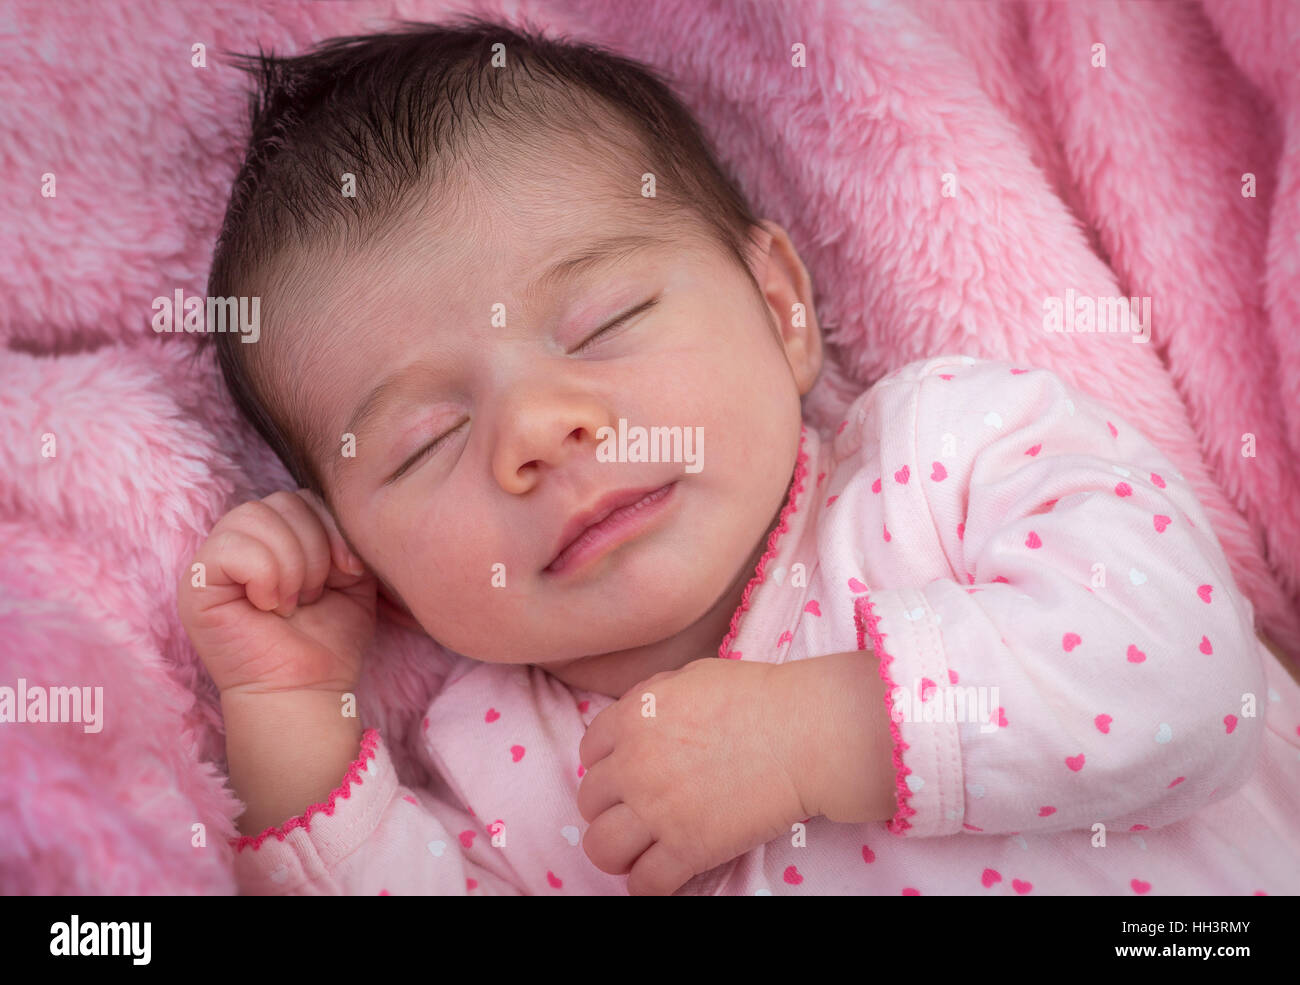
{"x": 1079, "y": 703}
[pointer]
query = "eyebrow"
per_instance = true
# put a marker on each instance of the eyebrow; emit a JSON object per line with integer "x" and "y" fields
{"x": 604, "y": 251}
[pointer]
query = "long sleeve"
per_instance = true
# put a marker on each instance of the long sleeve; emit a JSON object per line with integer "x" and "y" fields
{"x": 1090, "y": 624}
{"x": 373, "y": 837}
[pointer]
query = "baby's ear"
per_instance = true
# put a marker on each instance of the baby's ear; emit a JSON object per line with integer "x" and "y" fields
{"x": 394, "y": 611}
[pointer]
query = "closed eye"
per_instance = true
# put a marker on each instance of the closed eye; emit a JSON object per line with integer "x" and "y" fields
{"x": 420, "y": 455}
{"x": 626, "y": 316}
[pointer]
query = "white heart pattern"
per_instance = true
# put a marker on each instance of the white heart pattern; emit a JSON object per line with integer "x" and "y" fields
{"x": 993, "y": 419}
{"x": 1164, "y": 733}
{"x": 570, "y": 834}
{"x": 914, "y": 782}
{"x": 778, "y": 575}
{"x": 436, "y": 848}
{"x": 1136, "y": 577}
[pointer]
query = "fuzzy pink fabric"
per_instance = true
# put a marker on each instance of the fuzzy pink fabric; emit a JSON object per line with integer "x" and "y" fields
{"x": 1118, "y": 180}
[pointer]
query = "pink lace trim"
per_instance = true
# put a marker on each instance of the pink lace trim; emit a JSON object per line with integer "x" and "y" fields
{"x": 368, "y": 742}
{"x": 790, "y": 508}
{"x": 867, "y": 625}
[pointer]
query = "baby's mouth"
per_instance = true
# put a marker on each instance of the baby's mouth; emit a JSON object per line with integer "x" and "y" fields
{"x": 619, "y": 518}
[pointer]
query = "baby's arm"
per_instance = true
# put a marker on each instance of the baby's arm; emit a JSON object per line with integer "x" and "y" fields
{"x": 371, "y": 836}
{"x": 280, "y": 613}
{"x": 1090, "y": 612}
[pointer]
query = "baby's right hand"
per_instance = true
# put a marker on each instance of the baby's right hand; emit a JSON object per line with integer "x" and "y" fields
{"x": 283, "y": 604}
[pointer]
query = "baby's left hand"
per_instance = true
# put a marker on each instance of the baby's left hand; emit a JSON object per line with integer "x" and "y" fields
{"x": 706, "y": 779}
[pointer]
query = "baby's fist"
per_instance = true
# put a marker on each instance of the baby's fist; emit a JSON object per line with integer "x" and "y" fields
{"x": 686, "y": 771}
{"x": 275, "y": 600}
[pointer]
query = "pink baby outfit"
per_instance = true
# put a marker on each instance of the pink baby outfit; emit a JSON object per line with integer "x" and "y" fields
{"x": 1079, "y": 704}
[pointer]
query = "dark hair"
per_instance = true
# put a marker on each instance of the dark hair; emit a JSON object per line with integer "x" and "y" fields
{"x": 393, "y": 107}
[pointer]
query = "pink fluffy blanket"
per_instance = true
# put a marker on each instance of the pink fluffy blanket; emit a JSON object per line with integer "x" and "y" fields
{"x": 945, "y": 168}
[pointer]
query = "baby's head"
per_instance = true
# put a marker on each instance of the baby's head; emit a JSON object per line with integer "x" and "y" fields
{"x": 475, "y": 250}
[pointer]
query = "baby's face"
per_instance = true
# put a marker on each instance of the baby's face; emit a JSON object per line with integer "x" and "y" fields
{"x": 468, "y": 331}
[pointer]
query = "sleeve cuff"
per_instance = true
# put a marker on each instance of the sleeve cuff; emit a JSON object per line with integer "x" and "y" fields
{"x": 307, "y": 847}
{"x": 903, "y": 631}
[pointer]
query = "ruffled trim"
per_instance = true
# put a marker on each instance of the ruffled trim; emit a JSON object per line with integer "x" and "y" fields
{"x": 867, "y": 622}
{"x": 790, "y": 508}
{"x": 368, "y": 742}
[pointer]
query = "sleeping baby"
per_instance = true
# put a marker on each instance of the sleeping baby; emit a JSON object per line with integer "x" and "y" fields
{"x": 977, "y": 638}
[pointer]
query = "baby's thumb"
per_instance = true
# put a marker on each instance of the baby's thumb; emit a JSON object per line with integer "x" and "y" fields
{"x": 340, "y": 554}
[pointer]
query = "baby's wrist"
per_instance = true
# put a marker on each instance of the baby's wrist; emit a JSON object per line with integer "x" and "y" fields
{"x": 840, "y": 756}
{"x": 286, "y": 750}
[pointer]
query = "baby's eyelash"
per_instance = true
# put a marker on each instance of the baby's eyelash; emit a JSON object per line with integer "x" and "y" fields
{"x": 615, "y": 323}
{"x": 428, "y": 449}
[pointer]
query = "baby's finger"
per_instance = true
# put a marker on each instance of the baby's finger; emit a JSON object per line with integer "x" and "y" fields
{"x": 598, "y": 791}
{"x": 311, "y": 534}
{"x": 343, "y": 557}
{"x": 261, "y": 522}
{"x": 658, "y": 872}
{"x": 598, "y": 741}
{"x": 233, "y": 557}
{"x": 616, "y": 839}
